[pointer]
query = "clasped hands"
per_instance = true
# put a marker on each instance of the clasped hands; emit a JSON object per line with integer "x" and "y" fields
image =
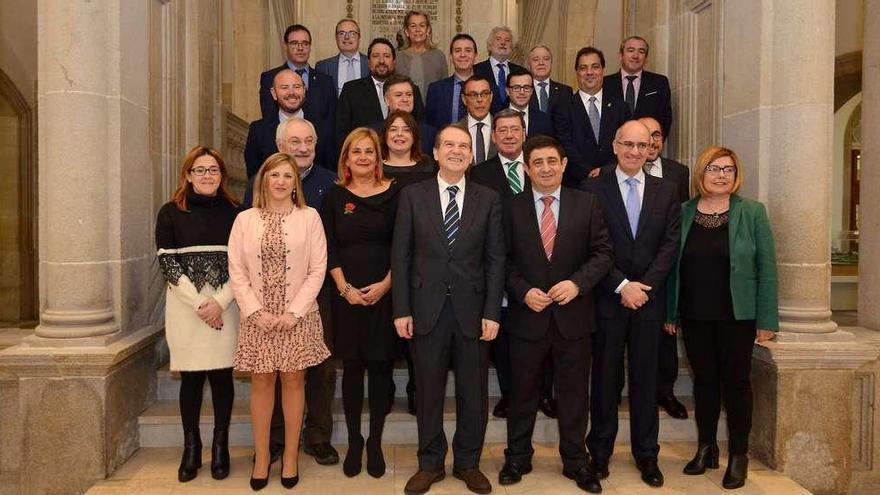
{"x": 367, "y": 296}
{"x": 211, "y": 313}
{"x": 271, "y": 323}
{"x": 634, "y": 295}
{"x": 404, "y": 327}
{"x": 561, "y": 293}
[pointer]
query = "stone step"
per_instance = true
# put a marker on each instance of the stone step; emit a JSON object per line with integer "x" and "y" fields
{"x": 168, "y": 384}
{"x": 160, "y": 425}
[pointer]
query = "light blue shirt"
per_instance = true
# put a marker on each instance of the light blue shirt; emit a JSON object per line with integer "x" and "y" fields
{"x": 624, "y": 191}
{"x": 539, "y": 205}
{"x": 305, "y": 75}
{"x": 342, "y": 70}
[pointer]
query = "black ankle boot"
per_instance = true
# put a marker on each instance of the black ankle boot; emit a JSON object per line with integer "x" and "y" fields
{"x": 375, "y": 458}
{"x": 191, "y": 460}
{"x": 706, "y": 457}
{"x": 737, "y": 471}
{"x": 220, "y": 455}
{"x": 351, "y": 466}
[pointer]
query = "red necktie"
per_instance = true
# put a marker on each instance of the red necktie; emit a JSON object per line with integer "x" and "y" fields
{"x": 548, "y": 226}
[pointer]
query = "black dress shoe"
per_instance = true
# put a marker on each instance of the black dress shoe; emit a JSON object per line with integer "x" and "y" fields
{"x": 651, "y": 474}
{"x": 191, "y": 460}
{"x": 737, "y": 471}
{"x": 512, "y": 473}
{"x": 673, "y": 407}
{"x": 500, "y": 410}
{"x": 324, "y": 453}
{"x": 706, "y": 457}
{"x": 290, "y": 482}
{"x": 599, "y": 468}
{"x": 585, "y": 478}
{"x": 547, "y": 405}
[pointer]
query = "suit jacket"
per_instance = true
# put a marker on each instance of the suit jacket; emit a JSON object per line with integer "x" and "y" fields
{"x": 485, "y": 69}
{"x": 557, "y": 92}
{"x": 424, "y": 269}
{"x": 540, "y": 123}
{"x": 359, "y": 107}
{"x": 491, "y": 173}
{"x": 320, "y": 97}
{"x": 653, "y": 100}
{"x": 679, "y": 174}
{"x": 754, "y": 283}
{"x": 427, "y": 135}
{"x": 647, "y": 258}
{"x": 582, "y": 253}
{"x": 330, "y": 66}
{"x": 586, "y": 152}
{"x": 261, "y": 141}
{"x": 491, "y": 151}
{"x": 438, "y": 107}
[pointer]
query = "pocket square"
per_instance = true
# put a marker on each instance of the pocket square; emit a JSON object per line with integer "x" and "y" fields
{"x": 649, "y": 94}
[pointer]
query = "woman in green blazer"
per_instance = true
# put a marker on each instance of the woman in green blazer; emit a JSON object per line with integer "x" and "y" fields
{"x": 723, "y": 296}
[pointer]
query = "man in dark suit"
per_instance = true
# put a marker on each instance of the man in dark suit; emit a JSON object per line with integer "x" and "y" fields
{"x": 646, "y": 93}
{"x": 498, "y": 67}
{"x": 290, "y": 98}
{"x": 362, "y": 101}
{"x": 665, "y": 168}
{"x": 558, "y": 250}
{"x": 587, "y": 122}
{"x": 519, "y": 93}
{"x": 548, "y": 93}
{"x": 399, "y": 93}
{"x": 476, "y": 95}
{"x": 448, "y": 269}
{"x": 348, "y": 64}
{"x": 321, "y": 104}
{"x": 444, "y": 105}
{"x": 643, "y": 215}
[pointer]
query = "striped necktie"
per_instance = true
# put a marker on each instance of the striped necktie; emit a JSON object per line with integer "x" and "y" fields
{"x": 548, "y": 226}
{"x": 451, "y": 217}
{"x": 513, "y": 177}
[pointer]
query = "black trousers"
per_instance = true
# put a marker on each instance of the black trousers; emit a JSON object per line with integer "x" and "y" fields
{"x": 320, "y": 386}
{"x": 638, "y": 338}
{"x": 501, "y": 356}
{"x": 720, "y": 353}
{"x": 571, "y": 359}
{"x": 192, "y": 386}
{"x": 431, "y": 354}
{"x": 667, "y": 365}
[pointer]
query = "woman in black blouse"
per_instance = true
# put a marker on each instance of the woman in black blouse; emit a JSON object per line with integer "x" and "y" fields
{"x": 358, "y": 217}
{"x": 201, "y": 318}
{"x": 402, "y": 149}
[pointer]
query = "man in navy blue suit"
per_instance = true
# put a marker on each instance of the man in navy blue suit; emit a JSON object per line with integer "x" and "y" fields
{"x": 399, "y": 92}
{"x": 519, "y": 93}
{"x": 349, "y": 64}
{"x": 548, "y": 93}
{"x": 444, "y": 105}
{"x": 498, "y": 67}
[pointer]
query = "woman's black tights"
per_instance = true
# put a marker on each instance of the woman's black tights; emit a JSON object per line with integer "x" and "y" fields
{"x": 222, "y": 394}
{"x": 379, "y": 396}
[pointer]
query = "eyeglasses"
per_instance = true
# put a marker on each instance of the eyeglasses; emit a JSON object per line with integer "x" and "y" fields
{"x": 716, "y": 170}
{"x": 630, "y": 145}
{"x": 656, "y": 135}
{"x": 474, "y": 95}
{"x": 299, "y": 44}
{"x": 520, "y": 88}
{"x": 298, "y": 142}
{"x": 200, "y": 171}
{"x": 347, "y": 34}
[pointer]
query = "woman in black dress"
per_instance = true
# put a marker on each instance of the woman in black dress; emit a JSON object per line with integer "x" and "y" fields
{"x": 402, "y": 148}
{"x": 358, "y": 217}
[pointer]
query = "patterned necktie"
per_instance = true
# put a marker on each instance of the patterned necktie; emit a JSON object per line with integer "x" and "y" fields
{"x": 513, "y": 177}
{"x": 350, "y": 74}
{"x": 302, "y": 75}
{"x": 630, "y": 97}
{"x": 548, "y": 226}
{"x": 451, "y": 217}
{"x": 633, "y": 204}
{"x": 480, "y": 145}
{"x": 543, "y": 98}
{"x": 502, "y": 83}
{"x": 593, "y": 113}
{"x": 382, "y": 99}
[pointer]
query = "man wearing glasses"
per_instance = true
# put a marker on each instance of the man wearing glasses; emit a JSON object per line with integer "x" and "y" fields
{"x": 476, "y": 95}
{"x": 349, "y": 64}
{"x": 519, "y": 92}
{"x": 586, "y": 123}
{"x": 643, "y": 215}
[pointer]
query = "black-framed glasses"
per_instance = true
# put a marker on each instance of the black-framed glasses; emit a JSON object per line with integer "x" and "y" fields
{"x": 474, "y": 95}
{"x": 200, "y": 171}
{"x": 717, "y": 170}
{"x": 299, "y": 44}
{"x": 347, "y": 34}
{"x": 521, "y": 88}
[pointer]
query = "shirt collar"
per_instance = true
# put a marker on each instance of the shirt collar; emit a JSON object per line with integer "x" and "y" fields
{"x": 524, "y": 110}
{"x": 377, "y": 82}
{"x": 624, "y": 73}
{"x": 486, "y": 120}
{"x": 586, "y": 95}
{"x": 354, "y": 58}
{"x": 494, "y": 62}
{"x": 621, "y": 176}
{"x": 294, "y": 68}
{"x": 538, "y": 195}
{"x": 443, "y": 185}
{"x": 305, "y": 173}
{"x": 282, "y": 115}
{"x": 505, "y": 160}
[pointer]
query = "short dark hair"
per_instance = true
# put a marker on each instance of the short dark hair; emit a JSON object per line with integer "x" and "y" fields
{"x": 450, "y": 126}
{"x": 382, "y": 41}
{"x": 589, "y": 50}
{"x": 508, "y": 113}
{"x": 476, "y": 78}
{"x": 540, "y": 142}
{"x": 296, "y": 27}
{"x": 397, "y": 79}
{"x": 517, "y": 74}
{"x": 463, "y": 36}
{"x": 643, "y": 40}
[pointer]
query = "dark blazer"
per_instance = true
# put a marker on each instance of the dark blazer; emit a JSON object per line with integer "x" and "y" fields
{"x": 491, "y": 151}
{"x": 427, "y": 134}
{"x": 540, "y": 123}
{"x": 424, "y": 269}
{"x": 359, "y": 107}
{"x": 586, "y": 152}
{"x": 485, "y": 69}
{"x": 438, "y": 107}
{"x": 754, "y": 284}
{"x": 261, "y": 141}
{"x": 679, "y": 174}
{"x": 320, "y": 97}
{"x": 558, "y": 93}
{"x": 330, "y": 66}
{"x": 653, "y": 100}
{"x": 491, "y": 173}
{"x": 582, "y": 253}
{"x": 647, "y": 258}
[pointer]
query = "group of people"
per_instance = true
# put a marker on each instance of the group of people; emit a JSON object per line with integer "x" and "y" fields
{"x": 504, "y": 217}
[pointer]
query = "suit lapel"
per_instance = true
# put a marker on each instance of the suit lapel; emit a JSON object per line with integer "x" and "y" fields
{"x": 605, "y": 120}
{"x": 580, "y": 115}
{"x": 647, "y": 203}
{"x": 471, "y": 197}
{"x": 435, "y": 212}
{"x": 735, "y": 212}
{"x": 644, "y": 87}
{"x": 567, "y": 214}
{"x": 530, "y": 214}
{"x": 612, "y": 190}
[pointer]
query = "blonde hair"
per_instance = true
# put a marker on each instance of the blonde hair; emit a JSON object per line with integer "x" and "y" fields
{"x": 429, "y": 41}
{"x": 343, "y": 175}
{"x": 261, "y": 181}
{"x": 708, "y": 156}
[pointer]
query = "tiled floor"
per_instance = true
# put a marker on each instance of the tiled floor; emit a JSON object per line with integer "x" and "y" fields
{"x": 154, "y": 471}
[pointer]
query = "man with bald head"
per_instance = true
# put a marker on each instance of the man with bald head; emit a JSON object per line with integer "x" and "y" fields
{"x": 643, "y": 215}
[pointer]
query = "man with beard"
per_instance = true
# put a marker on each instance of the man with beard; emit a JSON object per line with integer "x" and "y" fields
{"x": 498, "y": 67}
{"x": 362, "y": 101}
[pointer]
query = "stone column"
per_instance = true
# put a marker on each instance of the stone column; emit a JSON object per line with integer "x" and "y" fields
{"x": 869, "y": 210}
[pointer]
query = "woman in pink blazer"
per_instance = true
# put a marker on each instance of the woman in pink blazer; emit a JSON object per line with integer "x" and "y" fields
{"x": 277, "y": 262}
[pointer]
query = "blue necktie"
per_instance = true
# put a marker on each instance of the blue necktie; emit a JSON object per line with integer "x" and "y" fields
{"x": 502, "y": 83}
{"x": 633, "y": 204}
{"x": 451, "y": 217}
{"x": 302, "y": 75}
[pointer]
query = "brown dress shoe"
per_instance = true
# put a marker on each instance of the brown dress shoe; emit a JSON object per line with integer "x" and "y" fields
{"x": 474, "y": 479}
{"x": 421, "y": 481}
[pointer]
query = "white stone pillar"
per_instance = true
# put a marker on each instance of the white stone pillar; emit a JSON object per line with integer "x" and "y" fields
{"x": 869, "y": 209}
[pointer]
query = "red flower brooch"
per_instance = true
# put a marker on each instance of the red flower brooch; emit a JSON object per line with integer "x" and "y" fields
{"x": 349, "y": 209}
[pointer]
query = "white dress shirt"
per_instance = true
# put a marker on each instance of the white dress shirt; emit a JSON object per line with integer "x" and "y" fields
{"x": 525, "y": 114}
{"x": 444, "y": 194}
{"x": 494, "y": 63}
{"x": 624, "y": 191}
{"x": 282, "y": 115}
{"x": 585, "y": 97}
{"x": 655, "y": 168}
{"x": 520, "y": 172}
